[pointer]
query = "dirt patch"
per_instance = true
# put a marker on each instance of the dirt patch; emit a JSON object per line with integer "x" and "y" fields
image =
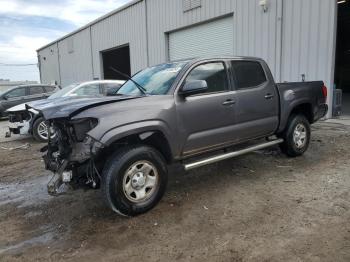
{"x": 259, "y": 207}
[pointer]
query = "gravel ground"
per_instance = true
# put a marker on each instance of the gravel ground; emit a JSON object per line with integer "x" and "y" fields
{"x": 259, "y": 207}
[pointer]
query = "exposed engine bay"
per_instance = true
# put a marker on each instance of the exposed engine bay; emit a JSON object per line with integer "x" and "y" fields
{"x": 71, "y": 154}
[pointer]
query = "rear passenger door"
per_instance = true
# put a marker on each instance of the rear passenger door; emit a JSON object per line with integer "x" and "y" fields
{"x": 35, "y": 93}
{"x": 257, "y": 104}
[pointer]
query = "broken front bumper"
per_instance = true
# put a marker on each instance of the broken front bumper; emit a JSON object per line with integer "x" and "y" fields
{"x": 18, "y": 128}
{"x": 75, "y": 167}
{"x": 19, "y": 123}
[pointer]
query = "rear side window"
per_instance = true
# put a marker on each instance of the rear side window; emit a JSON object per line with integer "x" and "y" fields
{"x": 35, "y": 90}
{"x": 49, "y": 89}
{"x": 213, "y": 73}
{"x": 88, "y": 90}
{"x": 110, "y": 88}
{"x": 248, "y": 74}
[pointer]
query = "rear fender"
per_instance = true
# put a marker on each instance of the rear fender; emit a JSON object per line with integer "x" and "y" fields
{"x": 288, "y": 107}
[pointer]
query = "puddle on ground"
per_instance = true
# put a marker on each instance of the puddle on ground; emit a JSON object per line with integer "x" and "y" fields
{"x": 25, "y": 194}
{"x": 39, "y": 240}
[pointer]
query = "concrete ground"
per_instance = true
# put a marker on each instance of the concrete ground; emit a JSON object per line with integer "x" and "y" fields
{"x": 259, "y": 207}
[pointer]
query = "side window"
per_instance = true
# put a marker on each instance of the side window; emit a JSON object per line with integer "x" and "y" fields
{"x": 17, "y": 92}
{"x": 49, "y": 89}
{"x": 248, "y": 74}
{"x": 88, "y": 90}
{"x": 213, "y": 73}
{"x": 35, "y": 90}
{"x": 110, "y": 88}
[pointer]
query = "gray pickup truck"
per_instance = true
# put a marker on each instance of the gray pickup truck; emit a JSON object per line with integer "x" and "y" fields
{"x": 193, "y": 112}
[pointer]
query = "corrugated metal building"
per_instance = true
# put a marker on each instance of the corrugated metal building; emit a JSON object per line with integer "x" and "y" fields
{"x": 295, "y": 37}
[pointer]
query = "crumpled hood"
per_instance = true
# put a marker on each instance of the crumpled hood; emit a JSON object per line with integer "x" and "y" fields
{"x": 65, "y": 107}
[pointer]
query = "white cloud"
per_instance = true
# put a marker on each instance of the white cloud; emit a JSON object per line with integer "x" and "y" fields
{"x": 19, "y": 44}
{"x": 78, "y": 12}
{"x": 21, "y": 49}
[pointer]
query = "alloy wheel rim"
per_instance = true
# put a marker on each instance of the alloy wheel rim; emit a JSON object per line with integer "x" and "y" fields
{"x": 43, "y": 131}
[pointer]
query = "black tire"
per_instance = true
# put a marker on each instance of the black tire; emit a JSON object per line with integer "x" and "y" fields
{"x": 289, "y": 146}
{"x": 35, "y": 130}
{"x": 115, "y": 171}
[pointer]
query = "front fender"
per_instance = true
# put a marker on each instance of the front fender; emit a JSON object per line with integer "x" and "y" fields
{"x": 136, "y": 128}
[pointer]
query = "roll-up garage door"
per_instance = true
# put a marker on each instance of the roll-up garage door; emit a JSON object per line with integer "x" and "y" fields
{"x": 214, "y": 38}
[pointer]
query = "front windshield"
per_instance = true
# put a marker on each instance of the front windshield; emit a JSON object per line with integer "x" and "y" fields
{"x": 64, "y": 91}
{"x": 155, "y": 80}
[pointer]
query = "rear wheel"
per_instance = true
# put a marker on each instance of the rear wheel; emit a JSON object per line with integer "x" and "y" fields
{"x": 134, "y": 180}
{"x": 296, "y": 136}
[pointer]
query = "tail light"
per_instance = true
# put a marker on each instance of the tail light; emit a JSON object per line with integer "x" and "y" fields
{"x": 324, "y": 92}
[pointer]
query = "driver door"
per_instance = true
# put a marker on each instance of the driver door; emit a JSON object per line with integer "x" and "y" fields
{"x": 206, "y": 119}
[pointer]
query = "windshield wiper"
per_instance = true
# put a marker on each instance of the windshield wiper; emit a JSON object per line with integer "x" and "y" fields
{"x": 139, "y": 87}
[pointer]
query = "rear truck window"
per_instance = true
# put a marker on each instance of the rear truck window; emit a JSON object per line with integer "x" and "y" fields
{"x": 248, "y": 74}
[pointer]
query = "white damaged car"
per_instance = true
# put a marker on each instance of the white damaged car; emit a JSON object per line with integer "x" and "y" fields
{"x": 23, "y": 121}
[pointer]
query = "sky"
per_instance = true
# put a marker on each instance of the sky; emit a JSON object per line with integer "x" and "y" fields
{"x": 26, "y": 25}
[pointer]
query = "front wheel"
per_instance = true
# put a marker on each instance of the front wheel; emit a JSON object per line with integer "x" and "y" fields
{"x": 296, "y": 136}
{"x": 134, "y": 180}
{"x": 41, "y": 130}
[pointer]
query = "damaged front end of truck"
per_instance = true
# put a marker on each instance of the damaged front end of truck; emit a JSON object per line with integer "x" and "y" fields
{"x": 71, "y": 154}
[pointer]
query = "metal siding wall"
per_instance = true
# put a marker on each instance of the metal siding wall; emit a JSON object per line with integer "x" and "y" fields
{"x": 209, "y": 39}
{"x": 125, "y": 27}
{"x": 255, "y": 32}
{"x": 49, "y": 67}
{"x": 167, "y": 15}
{"x": 308, "y": 41}
{"x": 76, "y": 66}
{"x": 300, "y": 42}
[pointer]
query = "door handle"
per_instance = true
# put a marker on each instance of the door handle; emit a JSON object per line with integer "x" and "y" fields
{"x": 269, "y": 96}
{"x": 229, "y": 102}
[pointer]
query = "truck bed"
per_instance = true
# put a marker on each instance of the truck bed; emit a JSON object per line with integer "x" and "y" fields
{"x": 308, "y": 94}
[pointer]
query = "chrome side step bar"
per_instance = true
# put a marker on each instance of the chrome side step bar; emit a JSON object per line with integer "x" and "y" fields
{"x": 218, "y": 158}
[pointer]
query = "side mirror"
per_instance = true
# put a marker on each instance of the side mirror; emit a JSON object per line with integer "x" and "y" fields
{"x": 5, "y": 97}
{"x": 194, "y": 87}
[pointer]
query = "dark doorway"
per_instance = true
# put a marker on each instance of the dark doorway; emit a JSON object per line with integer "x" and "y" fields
{"x": 118, "y": 58}
{"x": 342, "y": 64}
